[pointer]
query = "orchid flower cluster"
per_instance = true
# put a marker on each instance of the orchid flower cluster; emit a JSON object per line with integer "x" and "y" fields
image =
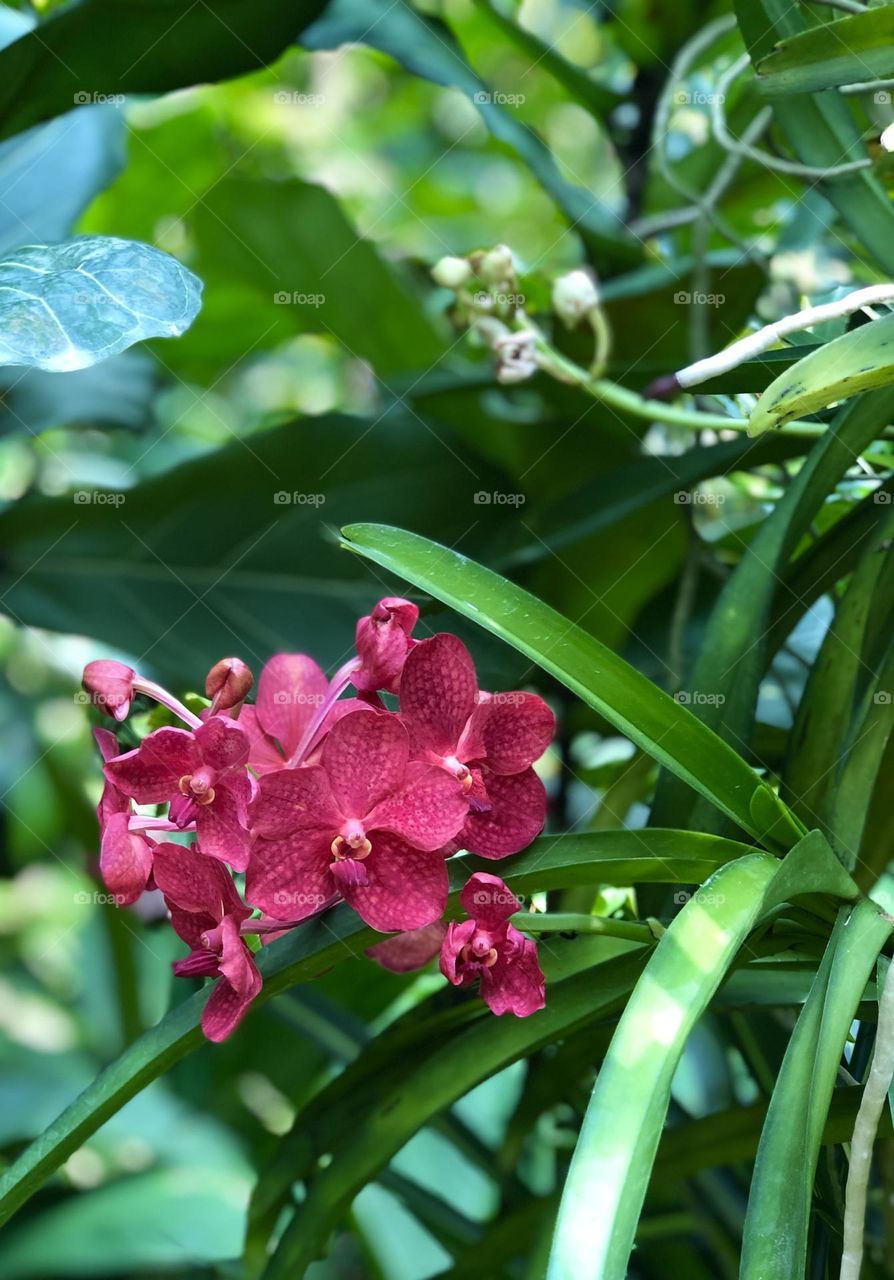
{"x": 320, "y": 792}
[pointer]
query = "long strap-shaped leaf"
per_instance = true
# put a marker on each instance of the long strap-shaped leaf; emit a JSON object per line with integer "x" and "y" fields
{"x": 662, "y": 726}
{"x": 612, "y": 1163}
{"x": 552, "y": 862}
{"x": 778, "y": 1218}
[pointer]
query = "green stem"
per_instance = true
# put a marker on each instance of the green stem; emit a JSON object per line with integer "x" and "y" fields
{"x": 578, "y": 922}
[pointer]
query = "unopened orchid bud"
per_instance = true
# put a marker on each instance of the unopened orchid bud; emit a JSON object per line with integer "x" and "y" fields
{"x": 110, "y": 686}
{"x": 451, "y": 273}
{"x": 574, "y": 296}
{"x": 227, "y": 683}
{"x": 497, "y": 266}
{"x": 887, "y": 138}
{"x": 383, "y": 641}
{"x": 516, "y": 357}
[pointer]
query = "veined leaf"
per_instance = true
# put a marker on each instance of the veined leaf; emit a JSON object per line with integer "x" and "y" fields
{"x": 621, "y": 1131}
{"x": 68, "y": 306}
{"x": 619, "y": 857}
{"x": 778, "y": 1219}
{"x": 850, "y": 50}
{"x": 859, "y": 360}
{"x": 656, "y": 722}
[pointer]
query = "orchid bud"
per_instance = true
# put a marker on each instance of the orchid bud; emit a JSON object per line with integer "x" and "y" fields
{"x": 227, "y": 683}
{"x": 451, "y": 273}
{"x": 497, "y": 266}
{"x": 383, "y": 641}
{"x": 110, "y": 686}
{"x": 574, "y": 296}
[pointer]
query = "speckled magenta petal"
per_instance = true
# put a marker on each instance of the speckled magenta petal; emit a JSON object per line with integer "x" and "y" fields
{"x": 407, "y": 888}
{"x": 455, "y": 939}
{"x": 221, "y": 826}
{"x": 516, "y": 816}
{"x": 225, "y": 1009}
{"x": 290, "y": 879}
{"x": 222, "y": 744}
{"x": 294, "y": 800}
{"x": 264, "y": 756}
{"x": 383, "y": 641}
{"x": 125, "y": 860}
{"x": 515, "y": 984}
{"x": 291, "y": 689}
{"x": 411, "y": 950}
{"x": 488, "y": 900}
{"x": 438, "y": 692}
{"x": 151, "y": 773}
{"x": 236, "y": 963}
{"x": 518, "y": 729}
{"x": 365, "y": 757}
{"x": 428, "y": 810}
{"x": 195, "y": 883}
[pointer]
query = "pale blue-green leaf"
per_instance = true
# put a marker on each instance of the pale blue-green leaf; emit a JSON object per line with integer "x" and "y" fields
{"x": 68, "y": 306}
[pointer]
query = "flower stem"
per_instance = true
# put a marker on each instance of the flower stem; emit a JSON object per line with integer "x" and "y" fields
{"x": 573, "y": 922}
{"x": 153, "y": 690}
{"x": 337, "y": 686}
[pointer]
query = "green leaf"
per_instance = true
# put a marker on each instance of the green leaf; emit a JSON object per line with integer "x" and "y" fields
{"x": 622, "y": 1128}
{"x": 159, "y": 45}
{"x": 117, "y": 392}
{"x": 68, "y": 306}
{"x": 656, "y": 722}
{"x": 605, "y": 856}
{"x": 427, "y": 48}
{"x": 822, "y": 132}
{"x": 850, "y": 50}
{"x": 858, "y": 361}
{"x": 778, "y": 1219}
{"x": 733, "y": 657}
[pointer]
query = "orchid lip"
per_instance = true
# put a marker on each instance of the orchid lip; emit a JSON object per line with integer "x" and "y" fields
{"x": 460, "y": 771}
{"x": 197, "y": 788}
{"x": 355, "y": 846}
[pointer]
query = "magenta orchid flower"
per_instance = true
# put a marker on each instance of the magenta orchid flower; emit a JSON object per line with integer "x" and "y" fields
{"x": 486, "y": 947}
{"x": 366, "y": 822}
{"x": 487, "y": 742}
{"x": 125, "y": 857}
{"x": 291, "y": 689}
{"x": 202, "y": 774}
{"x": 207, "y": 913}
{"x": 383, "y": 640}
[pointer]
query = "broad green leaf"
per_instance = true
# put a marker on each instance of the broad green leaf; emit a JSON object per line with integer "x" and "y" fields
{"x": 733, "y": 657}
{"x": 67, "y": 306}
{"x": 117, "y": 392}
{"x": 427, "y": 48}
{"x": 51, "y": 173}
{"x": 618, "y": 857}
{"x": 850, "y": 50}
{"x": 160, "y": 46}
{"x": 778, "y": 1219}
{"x": 859, "y": 360}
{"x": 622, "y": 1128}
{"x": 660, "y": 725}
{"x": 822, "y": 132}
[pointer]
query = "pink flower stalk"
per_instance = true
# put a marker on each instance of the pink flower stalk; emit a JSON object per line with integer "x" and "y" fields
{"x": 487, "y": 947}
{"x": 202, "y": 774}
{"x": 383, "y": 640}
{"x": 207, "y": 913}
{"x": 487, "y": 742}
{"x": 125, "y": 857}
{"x": 366, "y": 822}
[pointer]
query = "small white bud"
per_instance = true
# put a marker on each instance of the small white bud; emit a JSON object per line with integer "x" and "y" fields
{"x": 497, "y": 267}
{"x": 887, "y": 138}
{"x": 451, "y": 273}
{"x": 516, "y": 357}
{"x": 573, "y": 296}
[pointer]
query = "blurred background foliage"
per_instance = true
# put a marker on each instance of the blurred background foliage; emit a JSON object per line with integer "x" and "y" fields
{"x": 322, "y": 383}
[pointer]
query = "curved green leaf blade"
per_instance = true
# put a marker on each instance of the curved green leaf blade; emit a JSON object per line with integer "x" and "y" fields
{"x": 857, "y": 361}
{"x": 778, "y": 1218}
{"x": 850, "y": 50}
{"x": 616, "y": 1148}
{"x": 552, "y": 862}
{"x": 68, "y": 306}
{"x": 649, "y": 717}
